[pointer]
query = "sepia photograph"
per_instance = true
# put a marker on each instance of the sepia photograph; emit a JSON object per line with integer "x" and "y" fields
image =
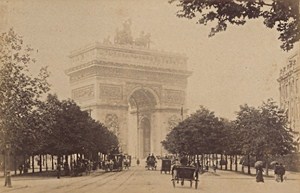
{"x": 149, "y": 96}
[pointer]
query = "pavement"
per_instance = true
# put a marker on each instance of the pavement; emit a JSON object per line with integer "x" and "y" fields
{"x": 139, "y": 180}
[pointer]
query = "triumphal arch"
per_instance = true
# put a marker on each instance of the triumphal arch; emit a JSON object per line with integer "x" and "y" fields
{"x": 137, "y": 92}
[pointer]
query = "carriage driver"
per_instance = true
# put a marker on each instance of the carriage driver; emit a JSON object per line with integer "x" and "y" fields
{"x": 153, "y": 157}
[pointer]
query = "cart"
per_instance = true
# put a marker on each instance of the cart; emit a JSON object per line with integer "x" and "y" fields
{"x": 165, "y": 166}
{"x": 185, "y": 173}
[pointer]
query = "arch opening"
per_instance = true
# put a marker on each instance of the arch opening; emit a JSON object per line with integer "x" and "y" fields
{"x": 142, "y": 102}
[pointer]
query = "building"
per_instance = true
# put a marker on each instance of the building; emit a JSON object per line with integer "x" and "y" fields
{"x": 138, "y": 93}
{"x": 289, "y": 87}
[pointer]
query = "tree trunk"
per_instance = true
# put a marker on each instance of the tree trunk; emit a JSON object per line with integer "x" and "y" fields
{"x": 32, "y": 163}
{"x": 230, "y": 158}
{"x": 46, "y": 162}
{"x": 52, "y": 162}
{"x": 41, "y": 161}
{"x": 4, "y": 161}
{"x": 15, "y": 164}
{"x": 216, "y": 160}
{"x": 236, "y": 163}
{"x": 221, "y": 165}
{"x": 71, "y": 162}
{"x": 249, "y": 171}
{"x": 267, "y": 165}
{"x": 225, "y": 161}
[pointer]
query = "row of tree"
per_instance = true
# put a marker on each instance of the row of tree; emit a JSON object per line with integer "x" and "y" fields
{"x": 30, "y": 125}
{"x": 259, "y": 132}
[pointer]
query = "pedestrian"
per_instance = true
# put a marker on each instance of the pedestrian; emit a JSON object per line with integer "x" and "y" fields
{"x": 66, "y": 169}
{"x": 276, "y": 172}
{"x": 281, "y": 171}
{"x": 21, "y": 168}
{"x": 214, "y": 168}
{"x": 58, "y": 170}
{"x": 137, "y": 162}
{"x": 259, "y": 174}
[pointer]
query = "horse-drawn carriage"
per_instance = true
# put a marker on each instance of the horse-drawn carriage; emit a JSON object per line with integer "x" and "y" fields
{"x": 80, "y": 167}
{"x": 165, "y": 165}
{"x": 185, "y": 173}
{"x": 151, "y": 163}
{"x": 114, "y": 162}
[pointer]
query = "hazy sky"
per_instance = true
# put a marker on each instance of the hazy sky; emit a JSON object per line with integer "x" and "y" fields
{"x": 235, "y": 67}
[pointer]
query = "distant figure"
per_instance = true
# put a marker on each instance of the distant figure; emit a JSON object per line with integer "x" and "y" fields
{"x": 214, "y": 168}
{"x": 21, "y": 169}
{"x": 259, "y": 174}
{"x": 176, "y": 164}
{"x": 58, "y": 169}
{"x": 153, "y": 157}
{"x": 137, "y": 162}
{"x": 66, "y": 169}
{"x": 281, "y": 171}
{"x": 276, "y": 172}
{"x": 184, "y": 161}
{"x": 148, "y": 157}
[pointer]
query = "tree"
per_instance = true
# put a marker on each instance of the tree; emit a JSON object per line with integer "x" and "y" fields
{"x": 69, "y": 130}
{"x": 198, "y": 134}
{"x": 20, "y": 92}
{"x": 284, "y": 14}
{"x": 264, "y": 131}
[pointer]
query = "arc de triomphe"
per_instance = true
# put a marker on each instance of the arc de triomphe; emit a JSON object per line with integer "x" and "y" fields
{"x": 138, "y": 93}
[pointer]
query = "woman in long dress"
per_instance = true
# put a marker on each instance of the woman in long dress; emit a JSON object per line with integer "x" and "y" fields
{"x": 259, "y": 175}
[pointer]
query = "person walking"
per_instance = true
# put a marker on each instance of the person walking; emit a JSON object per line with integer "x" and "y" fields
{"x": 276, "y": 172}
{"x": 58, "y": 170}
{"x": 281, "y": 171}
{"x": 259, "y": 174}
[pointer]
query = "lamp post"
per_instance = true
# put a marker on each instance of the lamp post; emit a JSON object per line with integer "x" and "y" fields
{"x": 7, "y": 166}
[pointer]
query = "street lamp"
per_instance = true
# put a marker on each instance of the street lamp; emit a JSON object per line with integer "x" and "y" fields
{"x": 7, "y": 166}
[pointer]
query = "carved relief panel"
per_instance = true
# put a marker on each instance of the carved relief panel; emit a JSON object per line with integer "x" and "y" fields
{"x": 111, "y": 92}
{"x": 173, "y": 97}
{"x": 85, "y": 92}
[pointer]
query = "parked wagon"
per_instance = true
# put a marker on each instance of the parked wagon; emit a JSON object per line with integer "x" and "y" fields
{"x": 185, "y": 173}
{"x": 165, "y": 166}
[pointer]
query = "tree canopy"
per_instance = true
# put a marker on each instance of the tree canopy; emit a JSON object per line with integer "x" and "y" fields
{"x": 258, "y": 131}
{"x": 264, "y": 130}
{"x": 199, "y": 133}
{"x": 70, "y": 130}
{"x": 280, "y": 14}
{"x": 20, "y": 92}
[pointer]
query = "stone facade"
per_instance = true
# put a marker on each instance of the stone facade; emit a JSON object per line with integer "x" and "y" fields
{"x": 289, "y": 87}
{"x": 136, "y": 92}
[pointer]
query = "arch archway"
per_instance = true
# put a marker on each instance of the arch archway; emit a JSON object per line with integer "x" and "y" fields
{"x": 142, "y": 103}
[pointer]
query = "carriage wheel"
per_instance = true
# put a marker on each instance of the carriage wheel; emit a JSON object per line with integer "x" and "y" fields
{"x": 196, "y": 184}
